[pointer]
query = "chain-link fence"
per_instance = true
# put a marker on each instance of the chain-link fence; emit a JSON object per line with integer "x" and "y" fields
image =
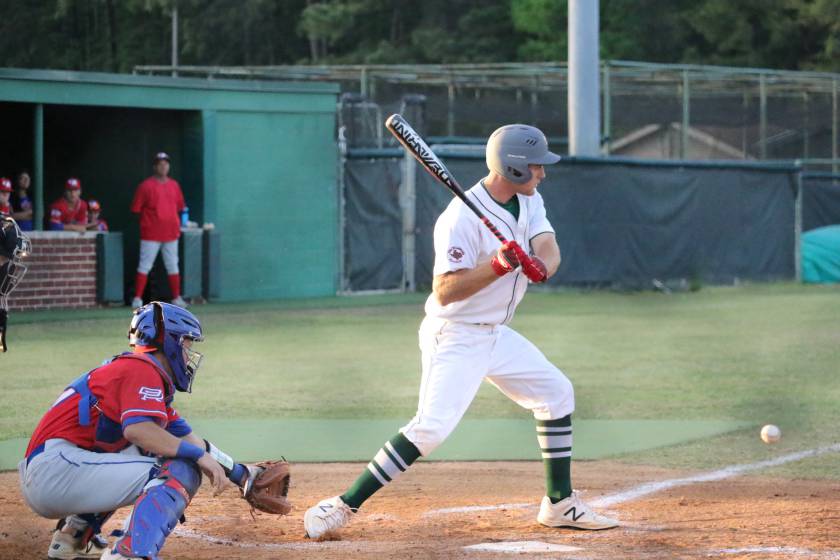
{"x": 658, "y": 111}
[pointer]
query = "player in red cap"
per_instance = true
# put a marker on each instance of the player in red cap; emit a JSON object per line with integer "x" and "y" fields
{"x": 95, "y": 223}
{"x": 5, "y": 194}
{"x": 159, "y": 202}
{"x": 69, "y": 212}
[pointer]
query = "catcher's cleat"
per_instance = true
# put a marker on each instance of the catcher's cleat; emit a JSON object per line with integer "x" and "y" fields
{"x": 572, "y": 512}
{"x": 136, "y": 302}
{"x": 328, "y": 515}
{"x": 179, "y": 301}
{"x": 66, "y": 547}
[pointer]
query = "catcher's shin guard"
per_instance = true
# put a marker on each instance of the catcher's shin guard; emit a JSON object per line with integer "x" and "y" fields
{"x": 159, "y": 508}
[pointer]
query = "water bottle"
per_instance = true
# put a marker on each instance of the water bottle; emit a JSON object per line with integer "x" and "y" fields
{"x": 185, "y": 216}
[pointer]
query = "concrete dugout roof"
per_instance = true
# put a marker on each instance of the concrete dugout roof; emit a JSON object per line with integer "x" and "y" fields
{"x": 160, "y": 92}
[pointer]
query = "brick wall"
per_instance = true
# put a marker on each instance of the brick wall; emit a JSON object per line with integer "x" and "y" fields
{"x": 61, "y": 273}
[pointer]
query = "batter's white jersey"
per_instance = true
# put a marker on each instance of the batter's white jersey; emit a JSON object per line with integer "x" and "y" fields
{"x": 463, "y": 241}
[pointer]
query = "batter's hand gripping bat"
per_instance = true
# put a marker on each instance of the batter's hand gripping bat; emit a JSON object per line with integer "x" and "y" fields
{"x": 418, "y": 148}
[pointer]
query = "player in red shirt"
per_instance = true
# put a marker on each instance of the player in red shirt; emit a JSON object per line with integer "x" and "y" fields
{"x": 159, "y": 202}
{"x": 69, "y": 212}
{"x": 95, "y": 223}
{"x": 113, "y": 438}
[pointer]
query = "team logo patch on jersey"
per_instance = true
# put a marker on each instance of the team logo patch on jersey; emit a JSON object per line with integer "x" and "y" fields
{"x": 149, "y": 394}
{"x": 455, "y": 254}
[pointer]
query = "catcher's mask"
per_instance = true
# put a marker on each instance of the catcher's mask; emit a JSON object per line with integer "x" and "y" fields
{"x": 14, "y": 247}
{"x": 167, "y": 327}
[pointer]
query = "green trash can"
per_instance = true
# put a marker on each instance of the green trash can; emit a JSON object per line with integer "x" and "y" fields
{"x": 212, "y": 264}
{"x": 109, "y": 267}
{"x": 190, "y": 258}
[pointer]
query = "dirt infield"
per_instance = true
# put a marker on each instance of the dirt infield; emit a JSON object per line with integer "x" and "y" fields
{"x": 744, "y": 517}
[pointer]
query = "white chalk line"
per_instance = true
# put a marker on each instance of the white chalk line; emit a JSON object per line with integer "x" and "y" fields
{"x": 470, "y": 509}
{"x": 727, "y": 472}
{"x": 653, "y": 487}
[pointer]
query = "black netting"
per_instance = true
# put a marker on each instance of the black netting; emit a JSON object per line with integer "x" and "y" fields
{"x": 617, "y": 224}
{"x": 373, "y": 224}
{"x": 820, "y": 200}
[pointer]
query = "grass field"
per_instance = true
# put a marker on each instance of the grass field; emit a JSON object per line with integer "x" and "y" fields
{"x": 755, "y": 353}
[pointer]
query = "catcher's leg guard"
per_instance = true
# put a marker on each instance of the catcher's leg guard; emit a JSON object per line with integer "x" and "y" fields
{"x": 159, "y": 508}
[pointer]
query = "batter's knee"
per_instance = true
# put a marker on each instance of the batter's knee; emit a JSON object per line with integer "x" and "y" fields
{"x": 426, "y": 434}
{"x": 560, "y": 399}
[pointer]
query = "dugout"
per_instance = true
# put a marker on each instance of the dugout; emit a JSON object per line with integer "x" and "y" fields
{"x": 258, "y": 160}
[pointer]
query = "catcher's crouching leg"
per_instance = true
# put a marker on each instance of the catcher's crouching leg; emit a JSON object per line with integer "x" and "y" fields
{"x": 159, "y": 508}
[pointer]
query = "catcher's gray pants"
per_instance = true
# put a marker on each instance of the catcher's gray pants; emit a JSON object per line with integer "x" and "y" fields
{"x": 65, "y": 480}
{"x": 457, "y": 357}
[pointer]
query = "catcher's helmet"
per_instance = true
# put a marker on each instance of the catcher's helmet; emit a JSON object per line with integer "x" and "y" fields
{"x": 163, "y": 326}
{"x": 511, "y": 148}
{"x": 14, "y": 246}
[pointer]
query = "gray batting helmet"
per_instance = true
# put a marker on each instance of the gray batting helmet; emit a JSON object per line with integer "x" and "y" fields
{"x": 511, "y": 148}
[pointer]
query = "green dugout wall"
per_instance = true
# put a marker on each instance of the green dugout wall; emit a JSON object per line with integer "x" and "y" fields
{"x": 256, "y": 159}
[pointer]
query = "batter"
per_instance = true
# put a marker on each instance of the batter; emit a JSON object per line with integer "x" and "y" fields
{"x": 465, "y": 337}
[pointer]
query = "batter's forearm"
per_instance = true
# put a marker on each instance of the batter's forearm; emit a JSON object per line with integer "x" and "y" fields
{"x": 461, "y": 284}
{"x": 546, "y": 248}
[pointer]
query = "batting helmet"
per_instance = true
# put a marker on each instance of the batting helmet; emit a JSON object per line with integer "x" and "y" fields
{"x": 163, "y": 326}
{"x": 511, "y": 148}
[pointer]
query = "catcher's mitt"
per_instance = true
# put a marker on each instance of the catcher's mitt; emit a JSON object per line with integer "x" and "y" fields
{"x": 267, "y": 487}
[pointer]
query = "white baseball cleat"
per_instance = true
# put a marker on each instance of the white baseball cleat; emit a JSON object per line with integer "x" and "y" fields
{"x": 136, "y": 302}
{"x": 179, "y": 301}
{"x": 572, "y": 512}
{"x": 65, "y": 547}
{"x": 328, "y": 515}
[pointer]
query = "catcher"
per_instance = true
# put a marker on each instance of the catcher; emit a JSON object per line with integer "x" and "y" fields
{"x": 113, "y": 438}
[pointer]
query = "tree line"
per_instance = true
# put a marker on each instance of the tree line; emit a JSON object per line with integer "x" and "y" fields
{"x": 117, "y": 35}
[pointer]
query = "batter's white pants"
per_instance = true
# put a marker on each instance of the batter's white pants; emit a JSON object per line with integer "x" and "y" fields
{"x": 149, "y": 251}
{"x": 65, "y": 480}
{"x": 457, "y": 357}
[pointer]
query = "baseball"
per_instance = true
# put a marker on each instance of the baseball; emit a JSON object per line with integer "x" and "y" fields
{"x": 770, "y": 434}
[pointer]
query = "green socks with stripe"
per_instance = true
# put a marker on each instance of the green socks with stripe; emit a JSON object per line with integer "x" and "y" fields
{"x": 555, "y": 437}
{"x": 391, "y": 461}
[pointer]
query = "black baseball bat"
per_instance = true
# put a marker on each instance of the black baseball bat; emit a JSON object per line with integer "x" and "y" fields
{"x": 417, "y": 147}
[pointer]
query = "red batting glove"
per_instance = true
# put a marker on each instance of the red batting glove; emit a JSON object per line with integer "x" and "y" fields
{"x": 535, "y": 270}
{"x": 507, "y": 258}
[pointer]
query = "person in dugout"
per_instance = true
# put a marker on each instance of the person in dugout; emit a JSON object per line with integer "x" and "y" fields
{"x": 69, "y": 213}
{"x": 95, "y": 223}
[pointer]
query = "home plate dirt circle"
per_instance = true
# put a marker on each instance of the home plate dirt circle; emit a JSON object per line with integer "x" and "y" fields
{"x": 521, "y": 547}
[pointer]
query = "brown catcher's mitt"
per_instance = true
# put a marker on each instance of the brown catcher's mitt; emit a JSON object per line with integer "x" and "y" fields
{"x": 267, "y": 487}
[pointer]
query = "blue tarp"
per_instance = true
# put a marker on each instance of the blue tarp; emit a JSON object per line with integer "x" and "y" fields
{"x": 821, "y": 255}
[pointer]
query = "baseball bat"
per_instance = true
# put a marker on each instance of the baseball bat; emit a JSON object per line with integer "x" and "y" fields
{"x": 418, "y": 148}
